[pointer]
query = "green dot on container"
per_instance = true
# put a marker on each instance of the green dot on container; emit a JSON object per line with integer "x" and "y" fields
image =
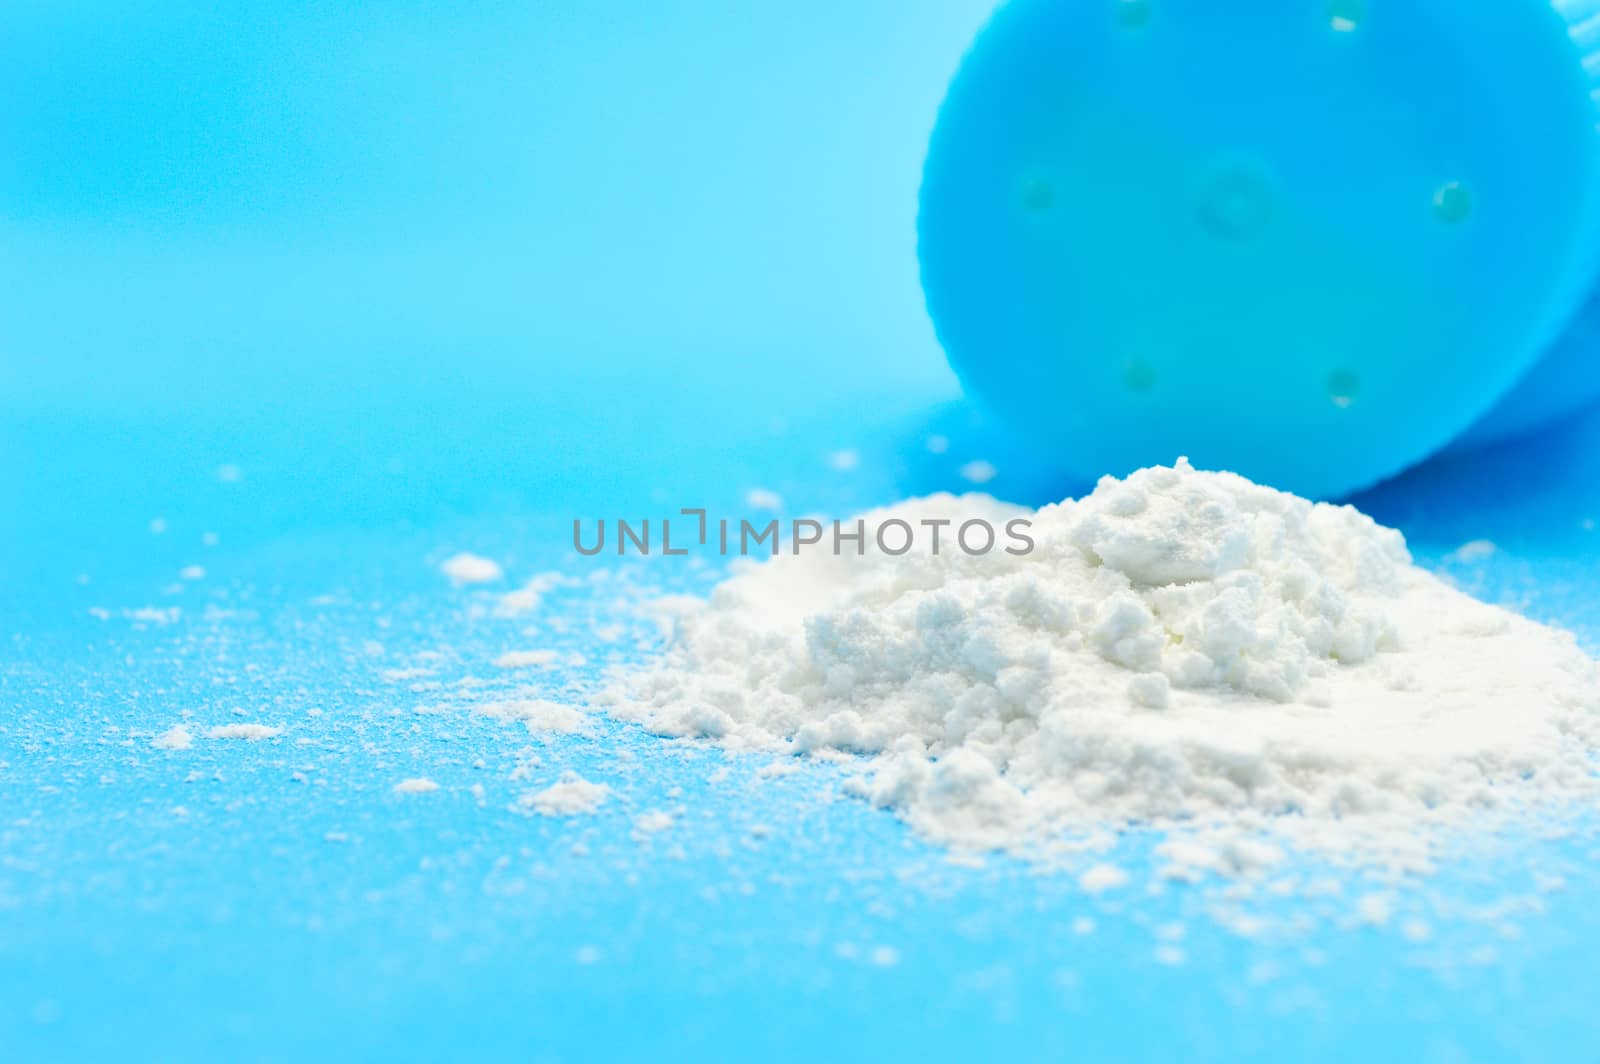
{"x": 1038, "y": 195}
{"x": 1345, "y": 16}
{"x": 1452, "y": 203}
{"x": 1344, "y": 387}
{"x": 1139, "y": 376}
{"x": 1133, "y": 14}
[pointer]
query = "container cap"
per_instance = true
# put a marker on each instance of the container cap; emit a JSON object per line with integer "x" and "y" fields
{"x": 1308, "y": 240}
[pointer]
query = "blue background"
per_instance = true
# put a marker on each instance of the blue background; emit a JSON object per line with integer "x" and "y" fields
{"x": 439, "y": 279}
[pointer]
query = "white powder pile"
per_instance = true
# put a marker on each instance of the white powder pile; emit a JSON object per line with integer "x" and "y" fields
{"x": 1183, "y": 650}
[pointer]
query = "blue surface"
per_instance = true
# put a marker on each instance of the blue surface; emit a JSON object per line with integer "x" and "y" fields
{"x": 235, "y": 927}
{"x": 472, "y": 373}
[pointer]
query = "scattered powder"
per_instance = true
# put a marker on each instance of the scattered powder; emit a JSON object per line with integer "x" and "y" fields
{"x": 1170, "y": 956}
{"x": 654, "y": 822}
{"x": 526, "y": 659}
{"x": 1236, "y": 668}
{"x": 529, "y": 596}
{"x": 248, "y": 732}
{"x": 1476, "y": 551}
{"x": 884, "y": 956}
{"x": 143, "y": 615}
{"x": 415, "y": 786}
{"x": 1173, "y": 932}
{"x": 465, "y": 568}
{"x": 979, "y": 472}
{"x": 843, "y": 461}
{"x": 192, "y": 572}
{"x": 1374, "y": 909}
{"x": 1101, "y": 878}
{"x": 762, "y": 499}
{"x": 572, "y": 796}
{"x": 538, "y": 714}
{"x": 176, "y": 737}
{"x": 406, "y": 675}
{"x": 1417, "y": 930}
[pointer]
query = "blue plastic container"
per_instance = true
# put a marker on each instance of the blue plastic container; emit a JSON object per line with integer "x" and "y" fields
{"x": 1564, "y": 381}
{"x": 1312, "y": 241}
